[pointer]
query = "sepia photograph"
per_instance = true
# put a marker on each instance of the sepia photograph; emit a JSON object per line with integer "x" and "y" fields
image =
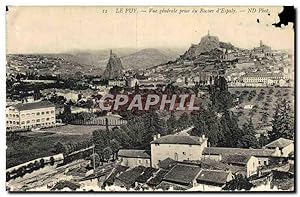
{"x": 150, "y": 99}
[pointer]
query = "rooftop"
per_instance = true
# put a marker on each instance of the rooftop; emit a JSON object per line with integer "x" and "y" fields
{"x": 213, "y": 176}
{"x": 263, "y": 74}
{"x": 133, "y": 153}
{"x": 280, "y": 143}
{"x": 147, "y": 174}
{"x": 129, "y": 177}
{"x": 34, "y": 105}
{"x": 167, "y": 163}
{"x": 180, "y": 138}
{"x": 182, "y": 174}
{"x": 236, "y": 159}
{"x": 238, "y": 151}
{"x": 158, "y": 177}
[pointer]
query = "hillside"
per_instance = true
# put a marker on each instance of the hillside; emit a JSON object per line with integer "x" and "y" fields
{"x": 144, "y": 58}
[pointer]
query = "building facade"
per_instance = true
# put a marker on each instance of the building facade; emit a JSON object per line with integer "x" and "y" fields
{"x": 30, "y": 115}
{"x": 178, "y": 147}
{"x": 132, "y": 158}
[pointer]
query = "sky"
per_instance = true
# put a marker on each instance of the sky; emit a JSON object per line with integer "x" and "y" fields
{"x": 61, "y": 29}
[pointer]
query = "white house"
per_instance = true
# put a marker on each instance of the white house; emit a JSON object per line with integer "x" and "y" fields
{"x": 30, "y": 115}
{"x": 133, "y": 158}
{"x": 212, "y": 180}
{"x": 285, "y": 146}
{"x": 179, "y": 147}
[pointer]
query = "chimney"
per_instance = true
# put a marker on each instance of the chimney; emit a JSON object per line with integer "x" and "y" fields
{"x": 200, "y": 139}
{"x": 154, "y": 137}
{"x": 158, "y": 135}
{"x": 203, "y": 136}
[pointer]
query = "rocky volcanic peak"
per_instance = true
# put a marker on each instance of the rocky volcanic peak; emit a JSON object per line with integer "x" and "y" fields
{"x": 114, "y": 68}
{"x": 206, "y": 44}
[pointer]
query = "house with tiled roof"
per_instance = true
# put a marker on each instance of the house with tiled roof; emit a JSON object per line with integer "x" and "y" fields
{"x": 144, "y": 177}
{"x": 157, "y": 178}
{"x": 213, "y": 180}
{"x": 181, "y": 175}
{"x": 128, "y": 178}
{"x": 180, "y": 146}
{"x": 285, "y": 146}
{"x": 133, "y": 157}
{"x": 263, "y": 155}
{"x": 250, "y": 163}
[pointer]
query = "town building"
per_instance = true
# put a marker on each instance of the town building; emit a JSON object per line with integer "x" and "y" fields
{"x": 133, "y": 158}
{"x": 285, "y": 146}
{"x": 250, "y": 163}
{"x": 132, "y": 82}
{"x": 30, "y": 115}
{"x": 259, "y": 79}
{"x": 213, "y": 180}
{"x": 115, "y": 82}
{"x": 179, "y": 147}
{"x": 180, "y": 177}
{"x": 263, "y": 155}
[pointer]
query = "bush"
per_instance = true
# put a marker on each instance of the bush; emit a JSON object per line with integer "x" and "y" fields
{"x": 7, "y": 176}
{"x": 42, "y": 163}
{"x": 52, "y": 161}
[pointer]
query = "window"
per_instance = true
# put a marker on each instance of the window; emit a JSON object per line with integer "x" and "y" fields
{"x": 140, "y": 161}
{"x": 32, "y": 114}
{"x": 27, "y": 114}
{"x": 38, "y": 113}
{"x": 23, "y": 122}
{"x": 17, "y": 116}
{"x": 43, "y": 113}
{"x": 259, "y": 162}
{"x": 52, "y": 112}
{"x": 47, "y": 112}
{"x": 265, "y": 162}
{"x": 47, "y": 119}
{"x": 38, "y": 120}
{"x": 146, "y": 161}
{"x": 6, "y": 115}
{"x": 43, "y": 119}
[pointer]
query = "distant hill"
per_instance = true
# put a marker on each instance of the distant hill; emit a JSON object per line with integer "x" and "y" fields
{"x": 145, "y": 58}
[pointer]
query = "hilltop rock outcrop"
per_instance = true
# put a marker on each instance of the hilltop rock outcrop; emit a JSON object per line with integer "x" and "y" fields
{"x": 114, "y": 68}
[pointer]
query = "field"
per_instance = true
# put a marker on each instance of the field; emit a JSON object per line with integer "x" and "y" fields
{"x": 23, "y": 147}
{"x": 263, "y": 102}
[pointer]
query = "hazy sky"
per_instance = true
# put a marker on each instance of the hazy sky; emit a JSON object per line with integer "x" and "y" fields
{"x": 59, "y": 29}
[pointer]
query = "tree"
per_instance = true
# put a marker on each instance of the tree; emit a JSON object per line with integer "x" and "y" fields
{"x": 115, "y": 146}
{"x": 207, "y": 123}
{"x": 60, "y": 148}
{"x": 52, "y": 161}
{"x": 231, "y": 132}
{"x": 95, "y": 157}
{"x": 184, "y": 121}
{"x": 42, "y": 162}
{"x": 282, "y": 123}
{"x": 262, "y": 140}
{"x": 248, "y": 138}
{"x": 107, "y": 152}
{"x": 172, "y": 123}
{"x": 239, "y": 183}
